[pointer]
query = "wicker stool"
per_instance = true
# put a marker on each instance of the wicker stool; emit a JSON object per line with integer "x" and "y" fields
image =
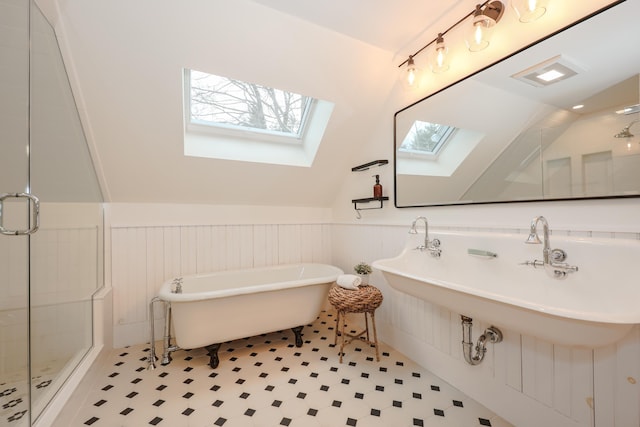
{"x": 363, "y": 300}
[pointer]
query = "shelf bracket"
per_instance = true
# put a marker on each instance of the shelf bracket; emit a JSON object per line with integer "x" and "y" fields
{"x": 368, "y": 200}
{"x": 367, "y": 166}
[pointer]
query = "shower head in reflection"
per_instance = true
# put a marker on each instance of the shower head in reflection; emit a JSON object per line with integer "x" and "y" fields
{"x": 625, "y": 133}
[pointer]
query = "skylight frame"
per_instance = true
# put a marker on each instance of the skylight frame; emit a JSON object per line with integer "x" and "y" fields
{"x": 245, "y": 145}
{"x": 193, "y": 124}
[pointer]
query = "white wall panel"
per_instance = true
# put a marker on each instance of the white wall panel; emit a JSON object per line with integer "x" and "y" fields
{"x": 290, "y": 244}
{"x": 605, "y": 385}
{"x": 509, "y": 360}
{"x": 219, "y": 248}
{"x": 172, "y": 257}
{"x": 627, "y": 393}
{"x": 154, "y": 267}
{"x": 233, "y": 247}
{"x": 188, "y": 251}
{"x": 537, "y": 369}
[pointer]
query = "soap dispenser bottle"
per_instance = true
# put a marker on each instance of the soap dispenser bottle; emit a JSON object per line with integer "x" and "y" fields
{"x": 377, "y": 188}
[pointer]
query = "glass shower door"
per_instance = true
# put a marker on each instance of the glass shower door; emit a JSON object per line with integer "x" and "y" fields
{"x": 47, "y": 278}
{"x": 65, "y": 253}
{"x": 14, "y": 213}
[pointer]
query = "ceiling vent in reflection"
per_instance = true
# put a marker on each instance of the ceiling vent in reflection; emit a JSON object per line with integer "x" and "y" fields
{"x": 551, "y": 71}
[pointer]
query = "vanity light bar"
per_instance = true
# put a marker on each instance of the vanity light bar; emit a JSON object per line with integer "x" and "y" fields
{"x": 485, "y": 16}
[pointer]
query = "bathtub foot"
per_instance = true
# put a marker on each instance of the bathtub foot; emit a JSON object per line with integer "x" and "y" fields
{"x": 212, "y": 350}
{"x": 298, "y": 332}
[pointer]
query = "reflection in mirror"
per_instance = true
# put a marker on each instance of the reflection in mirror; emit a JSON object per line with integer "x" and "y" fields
{"x": 555, "y": 121}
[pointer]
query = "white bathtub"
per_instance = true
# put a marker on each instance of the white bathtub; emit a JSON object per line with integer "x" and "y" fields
{"x": 227, "y": 305}
{"x": 594, "y": 306}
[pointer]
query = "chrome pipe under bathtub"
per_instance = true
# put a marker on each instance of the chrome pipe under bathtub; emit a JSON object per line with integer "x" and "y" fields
{"x": 168, "y": 348}
{"x": 151, "y": 360}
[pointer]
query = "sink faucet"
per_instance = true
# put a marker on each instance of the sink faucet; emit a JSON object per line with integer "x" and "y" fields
{"x": 534, "y": 239}
{"x": 433, "y": 246}
{"x": 552, "y": 259}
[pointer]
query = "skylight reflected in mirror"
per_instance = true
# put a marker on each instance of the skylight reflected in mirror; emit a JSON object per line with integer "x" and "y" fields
{"x": 426, "y": 138}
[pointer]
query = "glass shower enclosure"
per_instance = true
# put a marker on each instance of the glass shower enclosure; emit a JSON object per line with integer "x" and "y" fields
{"x": 50, "y": 219}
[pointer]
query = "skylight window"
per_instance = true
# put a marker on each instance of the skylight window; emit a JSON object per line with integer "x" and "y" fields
{"x": 229, "y": 103}
{"x": 237, "y": 120}
{"x": 426, "y": 138}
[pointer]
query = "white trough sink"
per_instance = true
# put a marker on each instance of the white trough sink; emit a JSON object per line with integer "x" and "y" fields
{"x": 592, "y": 307}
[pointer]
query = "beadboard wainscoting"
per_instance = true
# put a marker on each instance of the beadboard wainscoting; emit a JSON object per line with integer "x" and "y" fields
{"x": 527, "y": 381}
{"x": 142, "y": 258}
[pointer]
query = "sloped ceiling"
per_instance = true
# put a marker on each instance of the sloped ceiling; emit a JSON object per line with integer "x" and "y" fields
{"x": 126, "y": 59}
{"x": 389, "y": 25}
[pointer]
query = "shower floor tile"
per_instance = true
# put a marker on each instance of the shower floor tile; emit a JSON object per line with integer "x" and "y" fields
{"x": 267, "y": 381}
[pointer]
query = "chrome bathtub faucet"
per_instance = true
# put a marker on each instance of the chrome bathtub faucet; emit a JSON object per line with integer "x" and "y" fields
{"x": 552, "y": 259}
{"x": 433, "y": 246}
{"x": 178, "y": 285}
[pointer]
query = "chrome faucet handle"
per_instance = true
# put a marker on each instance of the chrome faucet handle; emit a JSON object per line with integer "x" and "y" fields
{"x": 435, "y": 252}
{"x": 560, "y": 270}
{"x": 535, "y": 263}
{"x": 557, "y": 255}
{"x": 434, "y": 248}
{"x": 178, "y": 282}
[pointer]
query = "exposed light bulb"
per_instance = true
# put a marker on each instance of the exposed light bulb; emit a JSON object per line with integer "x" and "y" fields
{"x": 440, "y": 57}
{"x": 411, "y": 74}
{"x": 479, "y": 35}
{"x": 439, "y": 61}
{"x": 529, "y": 10}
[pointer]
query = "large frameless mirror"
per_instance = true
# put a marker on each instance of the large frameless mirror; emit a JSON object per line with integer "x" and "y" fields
{"x": 504, "y": 134}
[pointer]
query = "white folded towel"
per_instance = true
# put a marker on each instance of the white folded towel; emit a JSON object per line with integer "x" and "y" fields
{"x": 349, "y": 281}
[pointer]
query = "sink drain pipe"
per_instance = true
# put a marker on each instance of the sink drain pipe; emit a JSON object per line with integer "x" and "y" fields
{"x": 491, "y": 334}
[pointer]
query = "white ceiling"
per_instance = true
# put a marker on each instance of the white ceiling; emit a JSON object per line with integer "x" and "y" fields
{"x": 390, "y": 25}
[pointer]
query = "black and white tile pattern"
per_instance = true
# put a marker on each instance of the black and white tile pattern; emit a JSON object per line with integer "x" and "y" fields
{"x": 14, "y": 395}
{"x": 267, "y": 381}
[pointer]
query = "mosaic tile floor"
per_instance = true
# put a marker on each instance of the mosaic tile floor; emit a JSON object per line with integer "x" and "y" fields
{"x": 14, "y": 394}
{"x": 267, "y": 381}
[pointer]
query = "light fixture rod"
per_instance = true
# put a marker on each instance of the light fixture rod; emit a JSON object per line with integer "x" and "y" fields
{"x": 443, "y": 33}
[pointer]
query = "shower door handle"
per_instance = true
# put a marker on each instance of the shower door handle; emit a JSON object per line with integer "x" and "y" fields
{"x": 35, "y": 214}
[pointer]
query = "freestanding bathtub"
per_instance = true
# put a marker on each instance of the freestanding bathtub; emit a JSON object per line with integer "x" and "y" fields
{"x": 227, "y": 305}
